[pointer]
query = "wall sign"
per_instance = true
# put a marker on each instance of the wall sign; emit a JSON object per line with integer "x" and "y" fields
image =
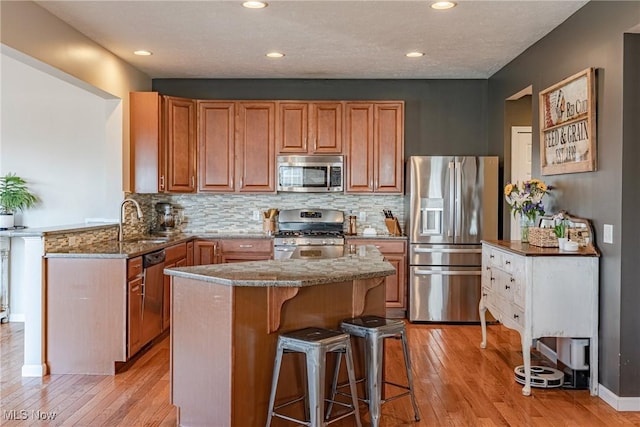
{"x": 568, "y": 126}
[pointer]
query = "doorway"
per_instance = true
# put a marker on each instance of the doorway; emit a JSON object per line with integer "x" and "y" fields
{"x": 520, "y": 165}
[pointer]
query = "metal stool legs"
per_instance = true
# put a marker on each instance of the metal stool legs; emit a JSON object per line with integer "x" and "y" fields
{"x": 315, "y": 343}
{"x": 375, "y": 330}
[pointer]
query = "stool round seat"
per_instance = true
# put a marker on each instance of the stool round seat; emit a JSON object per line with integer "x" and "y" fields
{"x": 315, "y": 343}
{"x": 374, "y": 330}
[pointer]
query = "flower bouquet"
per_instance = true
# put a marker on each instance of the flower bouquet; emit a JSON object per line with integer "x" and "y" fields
{"x": 525, "y": 199}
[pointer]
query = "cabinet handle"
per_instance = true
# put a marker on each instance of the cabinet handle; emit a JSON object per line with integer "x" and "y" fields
{"x": 493, "y": 279}
{"x": 492, "y": 256}
{"x": 484, "y": 294}
{"x": 162, "y": 182}
{"x": 507, "y": 287}
{"x": 507, "y": 262}
{"x": 231, "y": 182}
{"x": 487, "y": 268}
{"x": 242, "y": 182}
{"x": 376, "y": 184}
{"x": 315, "y": 144}
{"x": 193, "y": 181}
{"x": 136, "y": 289}
{"x": 515, "y": 316}
{"x": 512, "y": 280}
{"x": 371, "y": 183}
{"x": 246, "y": 246}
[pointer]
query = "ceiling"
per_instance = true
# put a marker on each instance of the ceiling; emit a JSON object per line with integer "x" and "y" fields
{"x": 320, "y": 39}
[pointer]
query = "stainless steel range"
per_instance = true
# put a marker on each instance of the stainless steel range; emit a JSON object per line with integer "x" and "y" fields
{"x": 309, "y": 233}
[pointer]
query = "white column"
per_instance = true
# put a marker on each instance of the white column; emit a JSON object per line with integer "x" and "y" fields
{"x": 34, "y": 322}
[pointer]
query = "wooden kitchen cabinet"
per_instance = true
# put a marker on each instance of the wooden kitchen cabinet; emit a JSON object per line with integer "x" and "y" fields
{"x": 134, "y": 306}
{"x": 240, "y": 250}
{"x": 374, "y": 147}
{"x": 206, "y": 252}
{"x": 394, "y": 251}
{"x": 162, "y": 143}
{"x": 216, "y": 146}
{"x": 175, "y": 256}
{"x": 309, "y": 127}
{"x": 255, "y": 147}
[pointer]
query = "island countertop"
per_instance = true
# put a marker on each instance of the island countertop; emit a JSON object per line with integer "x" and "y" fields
{"x": 366, "y": 263}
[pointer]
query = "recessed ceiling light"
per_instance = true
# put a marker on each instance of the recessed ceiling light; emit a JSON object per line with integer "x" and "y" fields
{"x": 255, "y": 4}
{"x": 275, "y": 55}
{"x": 443, "y": 5}
{"x": 414, "y": 54}
{"x": 143, "y": 53}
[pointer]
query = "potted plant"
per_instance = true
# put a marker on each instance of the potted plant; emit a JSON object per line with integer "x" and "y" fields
{"x": 14, "y": 196}
{"x": 560, "y": 229}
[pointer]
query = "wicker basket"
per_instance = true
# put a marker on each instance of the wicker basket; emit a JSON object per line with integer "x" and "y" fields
{"x": 542, "y": 237}
{"x": 579, "y": 235}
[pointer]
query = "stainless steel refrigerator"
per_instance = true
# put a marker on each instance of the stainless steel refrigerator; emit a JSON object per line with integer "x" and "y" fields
{"x": 451, "y": 205}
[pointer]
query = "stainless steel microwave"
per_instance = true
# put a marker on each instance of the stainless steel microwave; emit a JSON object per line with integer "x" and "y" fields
{"x": 310, "y": 174}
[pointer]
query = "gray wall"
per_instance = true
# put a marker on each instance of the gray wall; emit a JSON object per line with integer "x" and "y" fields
{"x": 592, "y": 37}
{"x": 630, "y": 290}
{"x": 441, "y": 116}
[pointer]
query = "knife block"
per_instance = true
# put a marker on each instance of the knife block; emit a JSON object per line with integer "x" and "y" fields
{"x": 393, "y": 226}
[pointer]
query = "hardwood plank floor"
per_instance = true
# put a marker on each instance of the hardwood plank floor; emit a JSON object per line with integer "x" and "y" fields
{"x": 457, "y": 384}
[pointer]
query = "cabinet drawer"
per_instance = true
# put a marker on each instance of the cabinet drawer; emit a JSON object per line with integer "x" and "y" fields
{"x": 246, "y": 245}
{"x": 495, "y": 257}
{"x": 384, "y": 246}
{"x": 175, "y": 253}
{"x": 514, "y": 318}
{"x": 134, "y": 267}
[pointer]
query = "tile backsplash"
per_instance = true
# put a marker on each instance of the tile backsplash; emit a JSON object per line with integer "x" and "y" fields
{"x": 234, "y": 212}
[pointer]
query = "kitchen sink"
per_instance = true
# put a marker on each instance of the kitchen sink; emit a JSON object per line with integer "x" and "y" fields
{"x": 150, "y": 240}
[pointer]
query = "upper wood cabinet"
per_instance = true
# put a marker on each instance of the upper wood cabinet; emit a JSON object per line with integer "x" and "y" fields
{"x": 375, "y": 147}
{"x": 162, "y": 141}
{"x": 216, "y": 155}
{"x": 181, "y": 144}
{"x": 309, "y": 127}
{"x": 255, "y": 147}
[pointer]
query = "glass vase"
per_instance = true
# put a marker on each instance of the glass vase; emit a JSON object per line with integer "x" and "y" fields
{"x": 525, "y": 223}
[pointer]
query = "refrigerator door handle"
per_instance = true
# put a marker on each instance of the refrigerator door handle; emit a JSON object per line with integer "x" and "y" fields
{"x": 458, "y": 229}
{"x": 420, "y": 272}
{"x": 452, "y": 195}
{"x": 454, "y": 251}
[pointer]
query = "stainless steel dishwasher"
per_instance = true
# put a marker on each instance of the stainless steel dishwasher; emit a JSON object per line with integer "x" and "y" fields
{"x": 153, "y": 265}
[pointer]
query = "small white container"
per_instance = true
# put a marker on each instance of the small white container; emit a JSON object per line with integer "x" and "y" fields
{"x": 561, "y": 242}
{"x": 570, "y": 246}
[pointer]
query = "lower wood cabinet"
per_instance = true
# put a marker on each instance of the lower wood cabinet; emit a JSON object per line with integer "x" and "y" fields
{"x": 231, "y": 250}
{"x": 134, "y": 300}
{"x": 394, "y": 251}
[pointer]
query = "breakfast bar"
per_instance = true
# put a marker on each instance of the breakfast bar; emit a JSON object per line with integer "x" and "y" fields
{"x": 226, "y": 319}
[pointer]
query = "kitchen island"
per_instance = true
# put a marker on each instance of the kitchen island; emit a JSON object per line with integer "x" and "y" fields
{"x": 226, "y": 319}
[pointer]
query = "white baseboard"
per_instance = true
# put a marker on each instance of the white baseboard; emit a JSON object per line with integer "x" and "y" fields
{"x": 34, "y": 370}
{"x": 16, "y": 317}
{"x": 621, "y": 404}
{"x": 547, "y": 351}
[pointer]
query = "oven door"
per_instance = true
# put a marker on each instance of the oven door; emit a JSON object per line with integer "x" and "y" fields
{"x": 308, "y": 252}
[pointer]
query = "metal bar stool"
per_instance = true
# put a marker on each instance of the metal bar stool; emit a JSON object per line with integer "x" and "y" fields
{"x": 374, "y": 330}
{"x": 315, "y": 343}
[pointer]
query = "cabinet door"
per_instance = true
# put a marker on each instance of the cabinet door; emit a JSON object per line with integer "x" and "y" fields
{"x": 325, "y": 128}
{"x": 166, "y": 294}
{"x": 181, "y": 144}
{"x": 147, "y": 173}
{"x": 292, "y": 129}
{"x": 359, "y": 133}
{"x": 205, "y": 252}
{"x": 134, "y": 316}
{"x": 255, "y": 147}
{"x": 216, "y": 155}
{"x": 396, "y": 285}
{"x": 189, "y": 254}
{"x": 388, "y": 143}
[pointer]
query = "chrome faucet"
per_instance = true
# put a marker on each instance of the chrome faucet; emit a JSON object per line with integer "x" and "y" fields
{"x": 139, "y": 212}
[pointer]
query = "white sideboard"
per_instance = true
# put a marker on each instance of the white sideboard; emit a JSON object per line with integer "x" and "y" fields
{"x": 541, "y": 292}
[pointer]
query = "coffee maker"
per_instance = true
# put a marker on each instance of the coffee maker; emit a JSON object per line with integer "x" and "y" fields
{"x": 166, "y": 218}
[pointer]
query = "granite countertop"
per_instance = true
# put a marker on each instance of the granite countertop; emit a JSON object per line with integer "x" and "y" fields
{"x": 291, "y": 272}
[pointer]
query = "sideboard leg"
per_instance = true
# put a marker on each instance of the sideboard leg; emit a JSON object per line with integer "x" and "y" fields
{"x": 526, "y": 356}
{"x": 483, "y": 322}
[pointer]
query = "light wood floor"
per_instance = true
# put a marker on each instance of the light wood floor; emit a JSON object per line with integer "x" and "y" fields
{"x": 457, "y": 384}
